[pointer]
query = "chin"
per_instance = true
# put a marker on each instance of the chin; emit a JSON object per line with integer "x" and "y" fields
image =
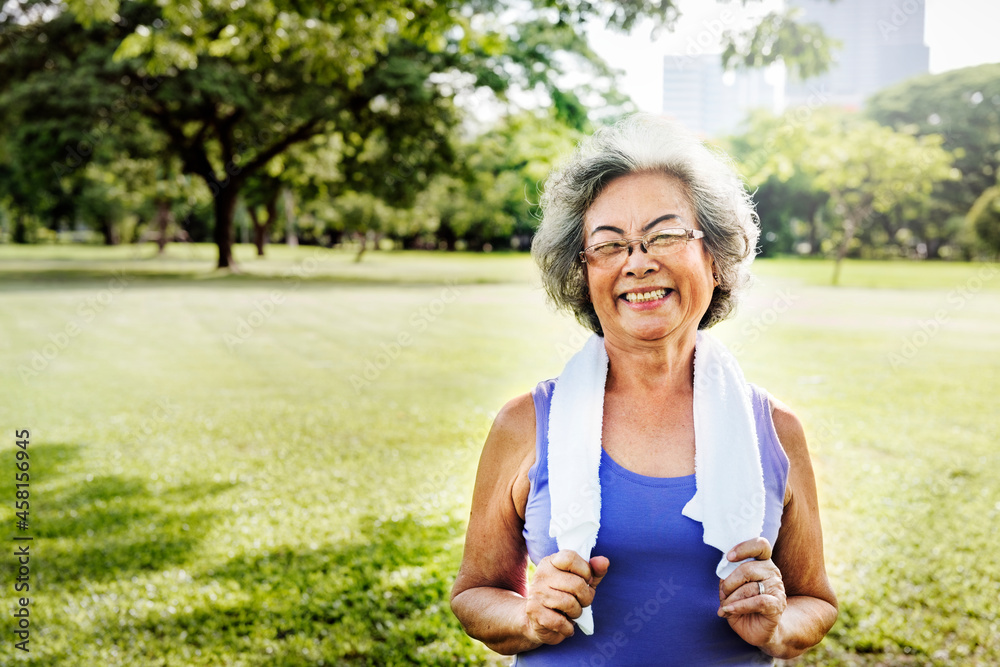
{"x": 648, "y": 332}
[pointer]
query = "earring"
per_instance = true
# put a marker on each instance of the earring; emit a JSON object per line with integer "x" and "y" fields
{"x": 715, "y": 277}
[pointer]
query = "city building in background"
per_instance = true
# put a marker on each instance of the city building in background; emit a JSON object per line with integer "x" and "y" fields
{"x": 882, "y": 44}
{"x": 710, "y": 101}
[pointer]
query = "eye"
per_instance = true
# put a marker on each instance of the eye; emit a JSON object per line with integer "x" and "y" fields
{"x": 609, "y": 248}
{"x": 665, "y": 238}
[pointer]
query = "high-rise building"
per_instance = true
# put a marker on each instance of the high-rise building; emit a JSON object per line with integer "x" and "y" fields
{"x": 697, "y": 92}
{"x": 882, "y": 44}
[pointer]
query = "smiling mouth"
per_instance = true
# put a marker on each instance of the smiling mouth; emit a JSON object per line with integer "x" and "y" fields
{"x": 642, "y": 297}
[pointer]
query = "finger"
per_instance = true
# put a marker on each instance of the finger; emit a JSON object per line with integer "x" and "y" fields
{"x": 757, "y": 548}
{"x": 747, "y": 590}
{"x": 560, "y": 601}
{"x": 767, "y": 605}
{"x": 550, "y": 626}
{"x": 568, "y": 560}
{"x": 748, "y": 572}
{"x": 566, "y": 583}
{"x": 598, "y": 568}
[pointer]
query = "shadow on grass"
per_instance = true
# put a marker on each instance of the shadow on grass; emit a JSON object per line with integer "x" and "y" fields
{"x": 380, "y": 599}
{"x": 95, "y": 279}
{"x": 108, "y": 527}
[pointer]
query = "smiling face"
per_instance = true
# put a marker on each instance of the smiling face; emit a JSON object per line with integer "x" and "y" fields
{"x": 642, "y": 297}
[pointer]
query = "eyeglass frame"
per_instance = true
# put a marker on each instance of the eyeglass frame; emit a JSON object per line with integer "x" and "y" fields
{"x": 689, "y": 235}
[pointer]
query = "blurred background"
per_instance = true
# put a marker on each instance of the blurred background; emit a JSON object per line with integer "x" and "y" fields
{"x": 264, "y": 283}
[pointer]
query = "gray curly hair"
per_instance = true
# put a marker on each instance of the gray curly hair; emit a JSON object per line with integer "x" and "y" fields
{"x": 644, "y": 143}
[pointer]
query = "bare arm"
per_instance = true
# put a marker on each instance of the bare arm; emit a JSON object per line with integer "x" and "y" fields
{"x": 490, "y": 596}
{"x": 798, "y": 551}
{"x": 798, "y": 596}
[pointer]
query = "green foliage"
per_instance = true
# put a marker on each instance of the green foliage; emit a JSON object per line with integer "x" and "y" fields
{"x": 961, "y": 106}
{"x": 984, "y": 216}
{"x": 504, "y": 169}
{"x": 865, "y": 168}
{"x": 230, "y": 91}
{"x": 803, "y": 48}
{"x": 231, "y": 87}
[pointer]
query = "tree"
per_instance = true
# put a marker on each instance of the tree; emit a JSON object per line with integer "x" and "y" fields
{"x": 869, "y": 168}
{"x": 234, "y": 85}
{"x": 263, "y": 192}
{"x": 59, "y": 117}
{"x": 495, "y": 193}
{"x": 963, "y": 107}
{"x": 779, "y": 38}
{"x": 766, "y": 155}
{"x": 233, "y": 89}
{"x": 865, "y": 168}
{"x": 984, "y": 217}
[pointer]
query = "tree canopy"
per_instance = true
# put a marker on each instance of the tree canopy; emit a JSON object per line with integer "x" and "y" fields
{"x": 223, "y": 90}
{"x": 862, "y": 167}
{"x": 961, "y": 106}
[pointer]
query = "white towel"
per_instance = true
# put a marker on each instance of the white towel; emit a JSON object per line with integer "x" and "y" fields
{"x": 729, "y": 495}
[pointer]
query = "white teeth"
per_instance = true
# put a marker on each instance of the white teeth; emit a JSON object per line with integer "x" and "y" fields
{"x": 639, "y": 297}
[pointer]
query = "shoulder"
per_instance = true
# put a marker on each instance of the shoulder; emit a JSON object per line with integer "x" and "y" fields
{"x": 509, "y": 451}
{"x": 514, "y": 426}
{"x": 788, "y": 427}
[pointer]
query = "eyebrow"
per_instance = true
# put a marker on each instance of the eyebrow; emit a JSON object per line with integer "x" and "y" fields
{"x": 649, "y": 225}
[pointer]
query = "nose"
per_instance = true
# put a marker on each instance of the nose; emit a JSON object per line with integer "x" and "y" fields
{"x": 638, "y": 263}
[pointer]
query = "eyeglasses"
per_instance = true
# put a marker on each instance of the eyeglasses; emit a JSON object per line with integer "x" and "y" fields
{"x": 659, "y": 243}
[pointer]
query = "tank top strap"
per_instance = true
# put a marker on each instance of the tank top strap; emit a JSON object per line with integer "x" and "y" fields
{"x": 542, "y": 397}
{"x": 773, "y": 459}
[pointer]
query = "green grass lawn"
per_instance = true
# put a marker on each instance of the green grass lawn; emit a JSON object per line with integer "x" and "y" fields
{"x": 275, "y": 468}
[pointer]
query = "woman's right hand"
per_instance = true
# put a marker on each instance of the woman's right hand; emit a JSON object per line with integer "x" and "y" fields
{"x": 563, "y": 585}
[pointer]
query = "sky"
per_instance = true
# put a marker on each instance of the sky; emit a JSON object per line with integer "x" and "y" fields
{"x": 960, "y": 33}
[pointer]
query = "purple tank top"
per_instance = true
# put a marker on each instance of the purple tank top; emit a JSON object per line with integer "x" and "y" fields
{"x": 658, "y": 603}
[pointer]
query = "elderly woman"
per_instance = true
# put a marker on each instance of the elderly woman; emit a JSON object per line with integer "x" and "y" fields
{"x": 647, "y": 237}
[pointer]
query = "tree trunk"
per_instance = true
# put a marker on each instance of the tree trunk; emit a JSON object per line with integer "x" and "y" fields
{"x": 364, "y": 246}
{"x": 814, "y": 222}
{"x": 261, "y": 229}
{"x": 224, "y": 206}
{"x": 850, "y": 227}
{"x": 258, "y": 230}
{"x": 20, "y": 233}
{"x": 162, "y": 223}
{"x": 934, "y": 248}
{"x": 291, "y": 238}
{"x": 271, "y": 207}
{"x": 109, "y": 232}
{"x": 447, "y": 234}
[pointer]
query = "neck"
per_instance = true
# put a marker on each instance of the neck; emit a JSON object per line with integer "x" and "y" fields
{"x": 664, "y": 364}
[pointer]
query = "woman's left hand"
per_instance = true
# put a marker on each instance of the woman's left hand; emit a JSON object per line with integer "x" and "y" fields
{"x": 752, "y": 598}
